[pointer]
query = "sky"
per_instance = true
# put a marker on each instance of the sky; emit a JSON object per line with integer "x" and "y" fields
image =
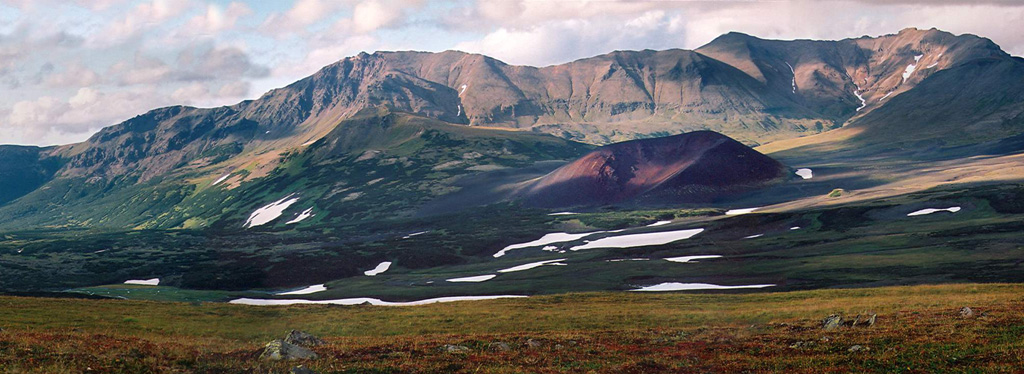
{"x": 71, "y": 67}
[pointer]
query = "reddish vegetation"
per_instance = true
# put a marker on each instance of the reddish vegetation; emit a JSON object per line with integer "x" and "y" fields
{"x": 688, "y": 168}
{"x": 926, "y": 341}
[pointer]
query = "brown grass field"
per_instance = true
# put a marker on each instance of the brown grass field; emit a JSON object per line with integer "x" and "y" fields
{"x": 918, "y": 330}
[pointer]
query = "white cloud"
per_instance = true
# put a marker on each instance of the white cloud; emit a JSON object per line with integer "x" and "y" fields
{"x": 326, "y": 55}
{"x": 74, "y": 75}
{"x": 191, "y": 93}
{"x": 143, "y": 16}
{"x": 52, "y": 120}
{"x": 371, "y": 15}
{"x": 216, "y": 19}
{"x": 561, "y": 41}
{"x": 238, "y": 89}
{"x": 301, "y": 15}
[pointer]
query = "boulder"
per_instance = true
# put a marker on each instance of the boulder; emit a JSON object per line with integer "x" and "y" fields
{"x": 966, "y": 312}
{"x": 303, "y": 338}
{"x": 533, "y": 343}
{"x": 832, "y": 322}
{"x": 871, "y": 320}
{"x": 858, "y": 348}
{"x": 864, "y": 320}
{"x": 279, "y": 349}
{"x": 452, "y": 348}
{"x": 499, "y": 346}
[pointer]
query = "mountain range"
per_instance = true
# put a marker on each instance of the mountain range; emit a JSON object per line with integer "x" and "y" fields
{"x": 413, "y": 127}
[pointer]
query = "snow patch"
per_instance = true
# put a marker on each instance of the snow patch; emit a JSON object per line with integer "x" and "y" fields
{"x": 659, "y": 223}
{"x": 910, "y": 68}
{"x": 639, "y": 240}
{"x": 371, "y": 301}
{"x": 928, "y": 211}
{"x": 686, "y": 259}
{"x": 805, "y": 173}
{"x": 305, "y": 214}
{"x": 736, "y": 212}
{"x": 146, "y": 282}
{"x": 886, "y": 96}
{"x": 628, "y": 259}
{"x": 562, "y": 214}
{"x": 305, "y": 291}
{"x": 474, "y": 279}
{"x": 270, "y": 212}
{"x": 753, "y": 236}
{"x": 795, "y": 228}
{"x": 676, "y": 286}
{"x": 221, "y": 179}
{"x": 462, "y": 89}
{"x": 415, "y": 234}
{"x": 381, "y": 267}
{"x": 552, "y": 238}
{"x": 931, "y": 66}
{"x": 531, "y": 265}
{"x": 862, "y": 102}
{"x": 794, "y": 76}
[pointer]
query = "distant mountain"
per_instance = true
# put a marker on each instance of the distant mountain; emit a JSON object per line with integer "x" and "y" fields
{"x": 828, "y": 76}
{"x": 696, "y": 167}
{"x": 23, "y": 169}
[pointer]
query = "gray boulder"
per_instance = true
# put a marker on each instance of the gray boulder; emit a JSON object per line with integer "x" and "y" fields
{"x": 832, "y": 322}
{"x": 279, "y": 349}
{"x": 966, "y": 312}
{"x": 303, "y": 338}
{"x": 452, "y": 348}
{"x": 858, "y": 348}
{"x": 499, "y": 346}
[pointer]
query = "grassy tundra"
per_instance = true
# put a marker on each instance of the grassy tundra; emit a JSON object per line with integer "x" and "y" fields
{"x": 918, "y": 330}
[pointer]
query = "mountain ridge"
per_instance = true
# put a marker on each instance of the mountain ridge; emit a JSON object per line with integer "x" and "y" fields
{"x": 616, "y": 96}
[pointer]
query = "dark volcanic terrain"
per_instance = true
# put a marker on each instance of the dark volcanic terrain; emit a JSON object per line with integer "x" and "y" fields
{"x": 696, "y": 167}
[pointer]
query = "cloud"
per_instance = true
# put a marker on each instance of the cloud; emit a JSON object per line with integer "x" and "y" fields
{"x": 74, "y": 75}
{"x": 216, "y": 19}
{"x": 371, "y": 15}
{"x": 37, "y": 4}
{"x": 191, "y": 93}
{"x": 209, "y": 62}
{"x": 237, "y": 89}
{"x": 317, "y": 58}
{"x": 560, "y": 41}
{"x": 143, "y": 16}
{"x": 301, "y": 15}
{"x": 52, "y": 120}
{"x": 200, "y": 62}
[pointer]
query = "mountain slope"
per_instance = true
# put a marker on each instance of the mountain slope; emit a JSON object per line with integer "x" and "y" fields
{"x": 379, "y": 164}
{"x": 689, "y": 168}
{"x": 966, "y": 110}
{"x": 828, "y": 76}
{"x": 23, "y": 169}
